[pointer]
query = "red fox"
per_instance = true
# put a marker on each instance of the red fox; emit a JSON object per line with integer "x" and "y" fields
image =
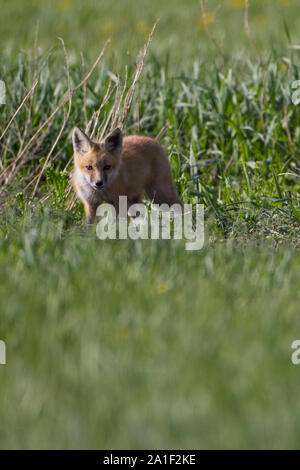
{"x": 117, "y": 166}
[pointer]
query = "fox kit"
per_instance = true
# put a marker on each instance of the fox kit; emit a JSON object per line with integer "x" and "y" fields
{"x": 117, "y": 166}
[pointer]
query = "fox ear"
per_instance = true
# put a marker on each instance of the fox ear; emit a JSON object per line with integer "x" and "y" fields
{"x": 81, "y": 142}
{"x": 113, "y": 142}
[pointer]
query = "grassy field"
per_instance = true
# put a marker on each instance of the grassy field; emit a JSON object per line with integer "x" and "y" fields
{"x": 181, "y": 33}
{"x": 141, "y": 344}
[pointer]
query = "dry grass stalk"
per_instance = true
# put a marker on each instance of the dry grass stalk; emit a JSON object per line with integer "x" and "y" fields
{"x": 139, "y": 69}
{"x": 66, "y": 118}
{"x": 18, "y": 109}
{"x": 117, "y": 115}
{"x": 210, "y": 36}
{"x": 64, "y": 100}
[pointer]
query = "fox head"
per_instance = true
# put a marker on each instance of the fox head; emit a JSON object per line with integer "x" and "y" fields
{"x": 98, "y": 161}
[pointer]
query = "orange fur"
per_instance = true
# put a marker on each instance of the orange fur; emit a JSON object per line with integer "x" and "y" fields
{"x": 129, "y": 166}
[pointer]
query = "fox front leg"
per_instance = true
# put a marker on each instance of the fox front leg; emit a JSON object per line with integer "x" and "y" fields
{"x": 90, "y": 213}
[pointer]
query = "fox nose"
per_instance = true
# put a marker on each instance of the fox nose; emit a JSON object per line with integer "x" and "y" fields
{"x": 99, "y": 183}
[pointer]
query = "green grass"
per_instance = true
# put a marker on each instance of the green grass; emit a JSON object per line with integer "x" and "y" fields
{"x": 134, "y": 345}
{"x": 232, "y": 137}
{"x": 123, "y": 344}
{"x": 181, "y": 33}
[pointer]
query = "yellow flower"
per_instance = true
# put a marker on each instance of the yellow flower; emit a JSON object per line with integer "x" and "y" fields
{"x": 286, "y": 3}
{"x": 236, "y": 4}
{"x": 64, "y": 5}
{"x": 259, "y": 20}
{"x": 108, "y": 28}
{"x": 122, "y": 332}
{"x": 143, "y": 26}
{"x": 162, "y": 288}
{"x": 205, "y": 20}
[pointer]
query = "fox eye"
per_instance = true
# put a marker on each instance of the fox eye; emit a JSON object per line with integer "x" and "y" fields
{"x": 106, "y": 167}
{"x": 89, "y": 167}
